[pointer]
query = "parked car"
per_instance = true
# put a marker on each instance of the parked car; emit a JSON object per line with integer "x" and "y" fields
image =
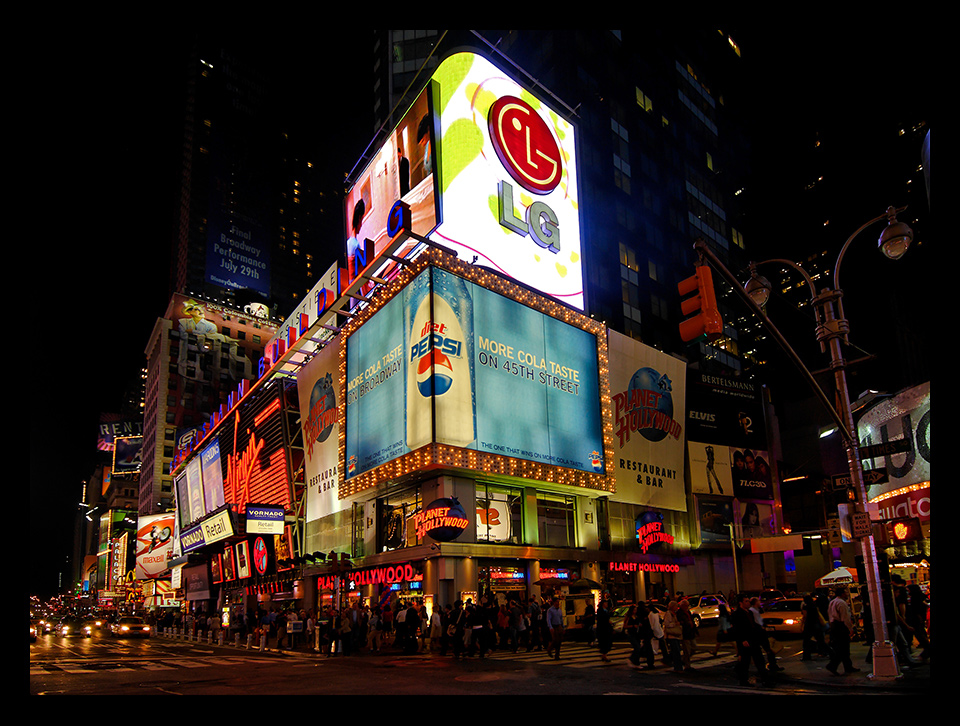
{"x": 129, "y": 626}
{"x": 784, "y": 616}
{"x": 33, "y": 631}
{"x": 766, "y": 596}
{"x": 73, "y": 626}
{"x": 705, "y": 607}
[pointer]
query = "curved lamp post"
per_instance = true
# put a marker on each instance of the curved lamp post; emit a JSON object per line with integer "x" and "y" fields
{"x": 831, "y": 328}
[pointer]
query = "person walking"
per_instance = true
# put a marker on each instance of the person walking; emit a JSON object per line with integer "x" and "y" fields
{"x": 554, "y": 621}
{"x": 688, "y": 641}
{"x": 656, "y": 631}
{"x": 812, "y": 629}
{"x": 748, "y": 647}
{"x": 724, "y": 628}
{"x": 841, "y": 628}
{"x": 590, "y": 623}
{"x": 535, "y": 616}
{"x": 673, "y": 629}
{"x": 917, "y": 619}
{"x": 631, "y": 628}
{"x": 762, "y": 636}
{"x": 456, "y": 629}
{"x": 604, "y": 629}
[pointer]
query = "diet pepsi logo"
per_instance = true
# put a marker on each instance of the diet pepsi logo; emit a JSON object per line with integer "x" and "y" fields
{"x": 525, "y": 145}
{"x": 432, "y": 354}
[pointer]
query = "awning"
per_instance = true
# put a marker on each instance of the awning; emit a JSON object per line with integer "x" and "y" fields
{"x": 840, "y": 576}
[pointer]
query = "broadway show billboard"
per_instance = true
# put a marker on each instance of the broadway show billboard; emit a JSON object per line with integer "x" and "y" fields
{"x": 647, "y": 390}
{"x": 476, "y": 370}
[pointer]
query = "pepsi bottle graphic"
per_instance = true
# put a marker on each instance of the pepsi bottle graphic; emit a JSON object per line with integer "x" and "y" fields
{"x": 438, "y": 333}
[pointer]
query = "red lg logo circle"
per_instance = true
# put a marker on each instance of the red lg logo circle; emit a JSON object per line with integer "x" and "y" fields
{"x": 524, "y": 144}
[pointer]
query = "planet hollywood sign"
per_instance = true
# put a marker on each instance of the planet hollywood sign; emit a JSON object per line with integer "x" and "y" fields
{"x": 643, "y": 567}
{"x": 444, "y": 520}
{"x": 389, "y": 575}
{"x": 652, "y": 533}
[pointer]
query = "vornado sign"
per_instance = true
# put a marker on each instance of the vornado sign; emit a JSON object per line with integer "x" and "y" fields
{"x": 509, "y": 169}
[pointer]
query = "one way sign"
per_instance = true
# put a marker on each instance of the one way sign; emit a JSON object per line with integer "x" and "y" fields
{"x": 870, "y": 476}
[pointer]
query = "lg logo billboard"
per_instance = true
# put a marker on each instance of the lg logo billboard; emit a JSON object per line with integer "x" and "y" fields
{"x": 528, "y": 151}
{"x": 509, "y": 189}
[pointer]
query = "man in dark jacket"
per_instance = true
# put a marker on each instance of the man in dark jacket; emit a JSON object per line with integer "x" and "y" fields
{"x": 746, "y": 634}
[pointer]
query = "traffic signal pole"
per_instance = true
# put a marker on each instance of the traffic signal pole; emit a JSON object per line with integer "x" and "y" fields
{"x": 830, "y": 330}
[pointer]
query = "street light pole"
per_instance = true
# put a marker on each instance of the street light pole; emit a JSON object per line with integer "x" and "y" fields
{"x": 831, "y": 329}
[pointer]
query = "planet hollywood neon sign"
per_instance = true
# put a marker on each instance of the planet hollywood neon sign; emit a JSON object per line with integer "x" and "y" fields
{"x": 443, "y": 520}
{"x": 389, "y": 575}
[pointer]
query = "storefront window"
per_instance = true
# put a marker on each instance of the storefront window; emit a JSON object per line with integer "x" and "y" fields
{"x": 556, "y": 520}
{"x": 397, "y": 528}
{"x": 499, "y": 514}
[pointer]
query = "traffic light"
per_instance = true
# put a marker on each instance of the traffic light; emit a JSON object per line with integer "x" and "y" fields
{"x": 706, "y": 320}
{"x": 905, "y": 529}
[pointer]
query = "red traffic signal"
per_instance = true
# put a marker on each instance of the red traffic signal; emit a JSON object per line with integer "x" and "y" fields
{"x": 706, "y": 320}
{"x": 905, "y": 529}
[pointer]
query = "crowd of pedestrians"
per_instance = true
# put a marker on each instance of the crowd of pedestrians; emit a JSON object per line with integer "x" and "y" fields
{"x": 472, "y": 629}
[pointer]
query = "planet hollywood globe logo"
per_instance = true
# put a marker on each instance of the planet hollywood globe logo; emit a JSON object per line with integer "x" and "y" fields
{"x": 322, "y": 414}
{"x": 646, "y": 407}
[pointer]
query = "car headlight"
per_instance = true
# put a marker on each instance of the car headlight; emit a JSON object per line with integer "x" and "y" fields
{"x": 124, "y": 628}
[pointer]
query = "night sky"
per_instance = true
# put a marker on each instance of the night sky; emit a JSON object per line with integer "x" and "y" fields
{"x": 108, "y": 129}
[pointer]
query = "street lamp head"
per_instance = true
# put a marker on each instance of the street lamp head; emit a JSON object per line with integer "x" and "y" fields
{"x": 896, "y": 236}
{"x": 757, "y": 287}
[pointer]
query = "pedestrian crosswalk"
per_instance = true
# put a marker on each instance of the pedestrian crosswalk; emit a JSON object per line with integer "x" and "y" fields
{"x": 79, "y": 666}
{"x": 581, "y": 655}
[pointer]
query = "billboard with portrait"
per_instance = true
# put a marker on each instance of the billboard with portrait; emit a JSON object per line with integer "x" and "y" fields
{"x": 403, "y": 169}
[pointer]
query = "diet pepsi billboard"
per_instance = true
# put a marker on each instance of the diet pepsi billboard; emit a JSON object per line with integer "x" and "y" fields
{"x": 448, "y": 361}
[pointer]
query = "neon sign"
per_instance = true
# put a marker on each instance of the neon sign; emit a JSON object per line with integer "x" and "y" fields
{"x": 390, "y": 575}
{"x": 643, "y": 567}
{"x": 443, "y": 520}
{"x": 652, "y": 533}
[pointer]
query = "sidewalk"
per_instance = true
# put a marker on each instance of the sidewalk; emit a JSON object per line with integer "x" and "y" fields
{"x": 795, "y": 670}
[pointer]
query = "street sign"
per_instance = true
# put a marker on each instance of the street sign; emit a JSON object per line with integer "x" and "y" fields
{"x": 834, "y": 536}
{"x": 870, "y": 476}
{"x": 861, "y": 524}
{"x": 886, "y": 448}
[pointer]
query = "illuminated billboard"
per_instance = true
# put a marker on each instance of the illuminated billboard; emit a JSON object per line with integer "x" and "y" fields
{"x": 154, "y": 545}
{"x": 489, "y": 171}
{"x": 490, "y": 373}
{"x": 903, "y": 416}
{"x": 647, "y": 389}
{"x": 243, "y": 460}
{"x": 509, "y": 193}
{"x": 403, "y": 169}
{"x": 320, "y": 423}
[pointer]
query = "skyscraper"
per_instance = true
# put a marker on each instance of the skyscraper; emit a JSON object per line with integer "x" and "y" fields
{"x": 663, "y": 147}
{"x": 252, "y": 204}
